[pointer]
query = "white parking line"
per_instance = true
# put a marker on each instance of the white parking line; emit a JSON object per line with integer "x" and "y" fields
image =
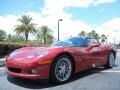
{"x": 2, "y": 68}
{"x": 116, "y": 71}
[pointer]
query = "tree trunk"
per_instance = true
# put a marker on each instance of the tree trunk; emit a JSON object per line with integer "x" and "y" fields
{"x": 26, "y": 36}
{"x": 44, "y": 40}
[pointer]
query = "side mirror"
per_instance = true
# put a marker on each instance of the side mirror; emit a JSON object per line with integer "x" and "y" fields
{"x": 93, "y": 45}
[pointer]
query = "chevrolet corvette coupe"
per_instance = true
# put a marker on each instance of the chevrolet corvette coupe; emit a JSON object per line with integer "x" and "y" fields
{"x": 59, "y": 61}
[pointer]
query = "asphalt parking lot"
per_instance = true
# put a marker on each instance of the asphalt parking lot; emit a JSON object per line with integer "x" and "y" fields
{"x": 95, "y": 79}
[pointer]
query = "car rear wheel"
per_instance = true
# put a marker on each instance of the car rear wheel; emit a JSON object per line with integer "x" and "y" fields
{"x": 111, "y": 61}
{"x": 61, "y": 70}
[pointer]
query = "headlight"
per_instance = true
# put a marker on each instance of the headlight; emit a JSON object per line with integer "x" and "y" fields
{"x": 41, "y": 53}
{"x": 38, "y": 54}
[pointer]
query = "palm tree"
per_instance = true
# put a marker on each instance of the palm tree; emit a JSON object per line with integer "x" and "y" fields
{"x": 104, "y": 38}
{"x": 94, "y": 34}
{"x": 25, "y": 27}
{"x": 15, "y": 38}
{"x": 82, "y": 33}
{"x": 44, "y": 35}
{"x": 2, "y": 35}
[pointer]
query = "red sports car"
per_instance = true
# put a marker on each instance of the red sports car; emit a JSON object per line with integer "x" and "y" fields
{"x": 60, "y": 60}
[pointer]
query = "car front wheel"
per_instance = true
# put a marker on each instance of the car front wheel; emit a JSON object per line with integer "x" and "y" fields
{"x": 61, "y": 70}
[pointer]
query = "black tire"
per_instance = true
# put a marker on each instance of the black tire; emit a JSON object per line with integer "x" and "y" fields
{"x": 53, "y": 76}
{"x": 110, "y": 60}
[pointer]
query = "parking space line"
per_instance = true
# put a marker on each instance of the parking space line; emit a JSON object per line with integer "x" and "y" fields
{"x": 2, "y": 68}
{"x": 118, "y": 71}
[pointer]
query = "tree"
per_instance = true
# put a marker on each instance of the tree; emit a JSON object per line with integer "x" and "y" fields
{"x": 103, "y": 38}
{"x": 94, "y": 34}
{"x": 2, "y": 35}
{"x": 82, "y": 33}
{"x": 15, "y": 38}
{"x": 25, "y": 27}
{"x": 118, "y": 45}
{"x": 9, "y": 38}
{"x": 44, "y": 35}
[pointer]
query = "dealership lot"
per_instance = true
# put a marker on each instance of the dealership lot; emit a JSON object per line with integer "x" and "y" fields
{"x": 95, "y": 79}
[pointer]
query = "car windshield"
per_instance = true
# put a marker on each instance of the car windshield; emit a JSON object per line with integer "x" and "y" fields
{"x": 75, "y": 41}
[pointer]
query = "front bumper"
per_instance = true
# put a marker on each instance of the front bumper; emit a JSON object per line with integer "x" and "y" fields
{"x": 43, "y": 72}
{"x": 28, "y": 76}
{"x": 23, "y": 70}
{"x": 25, "y": 66}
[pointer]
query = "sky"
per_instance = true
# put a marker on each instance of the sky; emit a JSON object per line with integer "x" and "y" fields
{"x": 78, "y": 15}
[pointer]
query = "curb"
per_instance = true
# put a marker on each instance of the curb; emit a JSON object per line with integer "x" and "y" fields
{"x": 2, "y": 62}
{"x": 2, "y": 71}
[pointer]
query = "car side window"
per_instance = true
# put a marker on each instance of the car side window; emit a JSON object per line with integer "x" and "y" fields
{"x": 92, "y": 41}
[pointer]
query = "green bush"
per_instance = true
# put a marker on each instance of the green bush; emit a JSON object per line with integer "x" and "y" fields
{"x": 6, "y": 48}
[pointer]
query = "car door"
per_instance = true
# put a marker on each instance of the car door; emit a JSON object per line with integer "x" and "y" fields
{"x": 87, "y": 54}
{"x": 96, "y": 53}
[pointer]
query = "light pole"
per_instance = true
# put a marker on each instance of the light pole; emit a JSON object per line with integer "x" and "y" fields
{"x": 114, "y": 40}
{"x": 58, "y": 28}
{"x": 106, "y": 39}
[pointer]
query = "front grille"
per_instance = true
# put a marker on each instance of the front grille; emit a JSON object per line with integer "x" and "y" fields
{"x": 16, "y": 70}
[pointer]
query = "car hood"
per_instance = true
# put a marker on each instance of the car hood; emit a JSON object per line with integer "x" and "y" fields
{"x": 20, "y": 56}
{"x": 27, "y": 51}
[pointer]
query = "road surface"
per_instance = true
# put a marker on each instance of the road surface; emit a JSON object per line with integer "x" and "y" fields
{"x": 95, "y": 79}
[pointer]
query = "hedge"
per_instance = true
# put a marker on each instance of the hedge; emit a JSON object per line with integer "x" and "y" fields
{"x": 6, "y": 48}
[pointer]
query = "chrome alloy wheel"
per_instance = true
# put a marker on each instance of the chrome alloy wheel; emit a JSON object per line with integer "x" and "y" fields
{"x": 63, "y": 69}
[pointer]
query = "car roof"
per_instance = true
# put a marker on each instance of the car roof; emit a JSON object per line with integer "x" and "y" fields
{"x": 81, "y": 37}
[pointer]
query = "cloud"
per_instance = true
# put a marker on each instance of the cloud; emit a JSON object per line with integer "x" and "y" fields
{"x": 58, "y": 5}
{"x": 72, "y": 28}
{"x": 75, "y": 3}
{"x": 112, "y": 24}
{"x": 51, "y": 12}
{"x": 96, "y": 2}
{"x": 68, "y": 27}
{"x": 8, "y": 22}
{"x": 110, "y": 28}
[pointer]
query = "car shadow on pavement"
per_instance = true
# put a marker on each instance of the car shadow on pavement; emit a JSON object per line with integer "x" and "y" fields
{"x": 40, "y": 84}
